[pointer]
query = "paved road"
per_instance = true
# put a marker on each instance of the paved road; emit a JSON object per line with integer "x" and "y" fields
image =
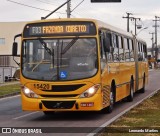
{"x": 11, "y": 114}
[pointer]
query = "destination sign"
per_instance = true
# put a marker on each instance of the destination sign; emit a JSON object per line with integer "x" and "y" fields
{"x": 58, "y": 29}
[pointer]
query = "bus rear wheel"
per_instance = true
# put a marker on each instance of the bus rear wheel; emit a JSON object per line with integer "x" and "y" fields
{"x": 143, "y": 88}
{"x": 130, "y": 97}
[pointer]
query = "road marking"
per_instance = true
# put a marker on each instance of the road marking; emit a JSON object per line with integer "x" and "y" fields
{"x": 9, "y": 97}
{"x": 99, "y": 129}
{"x": 25, "y": 115}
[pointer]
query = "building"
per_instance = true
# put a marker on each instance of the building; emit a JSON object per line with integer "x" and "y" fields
{"x": 7, "y": 32}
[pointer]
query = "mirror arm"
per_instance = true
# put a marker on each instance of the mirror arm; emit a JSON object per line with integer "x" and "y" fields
{"x": 18, "y": 35}
{"x": 16, "y": 61}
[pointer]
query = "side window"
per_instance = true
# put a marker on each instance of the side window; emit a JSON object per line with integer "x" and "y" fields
{"x": 103, "y": 54}
{"x": 115, "y": 48}
{"x": 140, "y": 54}
{"x": 145, "y": 51}
{"x": 131, "y": 48}
{"x": 126, "y": 47}
{"x": 109, "y": 55}
{"x": 121, "y": 51}
{"x": 102, "y": 36}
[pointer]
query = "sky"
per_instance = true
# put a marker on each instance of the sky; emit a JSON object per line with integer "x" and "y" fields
{"x": 111, "y": 13}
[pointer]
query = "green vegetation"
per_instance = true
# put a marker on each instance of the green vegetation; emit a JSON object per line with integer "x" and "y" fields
{"x": 9, "y": 89}
{"x": 146, "y": 114}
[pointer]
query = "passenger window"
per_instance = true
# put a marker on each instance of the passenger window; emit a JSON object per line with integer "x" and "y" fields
{"x": 115, "y": 48}
{"x": 126, "y": 47}
{"x": 140, "y": 54}
{"x": 131, "y": 48}
{"x": 121, "y": 51}
{"x": 145, "y": 51}
{"x": 109, "y": 55}
{"x": 103, "y": 54}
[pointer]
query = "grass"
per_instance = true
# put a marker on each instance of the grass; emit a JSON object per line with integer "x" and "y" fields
{"x": 146, "y": 114}
{"x": 9, "y": 89}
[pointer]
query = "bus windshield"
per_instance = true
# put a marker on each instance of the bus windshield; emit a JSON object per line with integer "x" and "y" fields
{"x": 59, "y": 59}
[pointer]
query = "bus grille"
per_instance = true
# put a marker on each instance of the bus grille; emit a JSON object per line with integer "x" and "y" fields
{"x": 58, "y": 104}
{"x": 58, "y": 96}
{"x": 64, "y": 88}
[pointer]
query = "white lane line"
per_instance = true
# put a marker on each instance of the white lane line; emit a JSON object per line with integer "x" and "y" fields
{"x": 120, "y": 114}
{"x": 1, "y": 99}
{"x": 26, "y": 115}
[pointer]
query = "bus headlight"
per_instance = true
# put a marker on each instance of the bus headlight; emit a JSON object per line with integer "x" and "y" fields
{"x": 90, "y": 92}
{"x": 29, "y": 93}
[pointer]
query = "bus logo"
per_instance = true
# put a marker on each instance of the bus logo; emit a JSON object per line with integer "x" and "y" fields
{"x": 6, "y": 130}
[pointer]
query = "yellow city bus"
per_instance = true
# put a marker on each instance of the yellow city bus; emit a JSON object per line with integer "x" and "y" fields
{"x": 79, "y": 65}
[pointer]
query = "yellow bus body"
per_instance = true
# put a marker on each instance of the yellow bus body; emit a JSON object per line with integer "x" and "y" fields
{"x": 119, "y": 73}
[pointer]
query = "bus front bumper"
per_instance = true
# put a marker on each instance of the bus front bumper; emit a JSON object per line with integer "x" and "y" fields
{"x": 93, "y": 103}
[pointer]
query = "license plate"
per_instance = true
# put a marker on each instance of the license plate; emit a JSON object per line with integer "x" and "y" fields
{"x": 87, "y": 104}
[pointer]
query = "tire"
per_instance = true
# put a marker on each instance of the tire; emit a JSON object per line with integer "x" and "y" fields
{"x": 49, "y": 112}
{"x": 143, "y": 88}
{"x": 109, "y": 109}
{"x": 131, "y": 95}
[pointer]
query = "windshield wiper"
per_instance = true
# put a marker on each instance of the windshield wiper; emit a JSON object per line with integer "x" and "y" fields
{"x": 69, "y": 45}
{"x": 61, "y": 53}
{"x": 45, "y": 47}
{"x": 48, "y": 50}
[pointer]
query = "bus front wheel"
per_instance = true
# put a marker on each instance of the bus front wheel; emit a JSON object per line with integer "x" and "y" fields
{"x": 109, "y": 109}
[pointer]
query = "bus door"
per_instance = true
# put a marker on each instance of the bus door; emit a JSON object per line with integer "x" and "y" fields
{"x": 109, "y": 62}
{"x": 105, "y": 44}
{"x": 114, "y": 64}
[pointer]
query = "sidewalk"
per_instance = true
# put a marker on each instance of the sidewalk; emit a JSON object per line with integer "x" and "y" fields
{"x": 9, "y": 83}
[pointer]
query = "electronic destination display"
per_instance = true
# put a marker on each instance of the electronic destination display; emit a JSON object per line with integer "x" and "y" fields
{"x": 59, "y": 29}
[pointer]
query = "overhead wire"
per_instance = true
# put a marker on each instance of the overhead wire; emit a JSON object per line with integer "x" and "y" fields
{"x": 46, "y": 2}
{"x": 32, "y": 6}
{"x": 28, "y": 6}
{"x": 77, "y": 5}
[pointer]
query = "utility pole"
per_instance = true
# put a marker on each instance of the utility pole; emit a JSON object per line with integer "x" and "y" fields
{"x": 128, "y": 17}
{"x": 152, "y": 43}
{"x": 135, "y": 22}
{"x": 68, "y": 9}
{"x": 42, "y": 18}
{"x": 156, "y": 47}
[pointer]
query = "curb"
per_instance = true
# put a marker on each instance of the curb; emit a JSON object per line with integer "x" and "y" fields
{"x": 8, "y": 95}
{"x": 9, "y": 83}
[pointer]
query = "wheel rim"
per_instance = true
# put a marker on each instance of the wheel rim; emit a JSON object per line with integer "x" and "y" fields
{"x": 111, "y": 99}
{"x": 144, "y": 82}
{"x": 132, "y": 90}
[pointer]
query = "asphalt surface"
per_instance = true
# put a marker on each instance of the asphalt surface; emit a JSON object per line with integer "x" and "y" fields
{"x": 11, "y": 114}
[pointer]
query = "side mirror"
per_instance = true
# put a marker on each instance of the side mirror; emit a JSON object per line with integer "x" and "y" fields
{"x": 14, "y": 49}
